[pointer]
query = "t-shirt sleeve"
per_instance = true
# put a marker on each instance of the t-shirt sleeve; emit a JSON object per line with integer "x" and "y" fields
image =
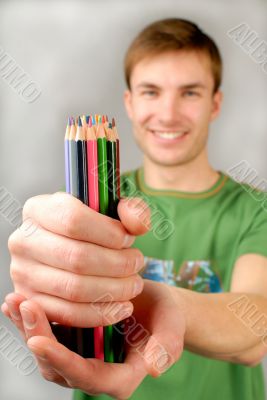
{"x": 254, "y": 238}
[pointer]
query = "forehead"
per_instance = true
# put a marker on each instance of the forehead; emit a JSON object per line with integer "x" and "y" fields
{"x": 173, "y": 68}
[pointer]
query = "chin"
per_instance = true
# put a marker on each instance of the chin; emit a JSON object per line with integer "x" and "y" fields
{"x": 169, "y": 163}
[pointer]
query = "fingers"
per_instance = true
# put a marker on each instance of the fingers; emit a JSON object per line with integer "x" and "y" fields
{"x": 60, "y": 365}
{"x": 134, "y": 214}
{"x": 63, "y": 214}
{"x": 91, "y": 376}
{"x": 5, "y": 310}
{"x": 83, "y": 314}
{"x": 34, "y": 320}
{"x": 78, "y": 288}
{"x": 24, "y": 315}
{"x": 76, "y": 256}
{"x": 35, "y": 323}
{"x": 12, "y": 302}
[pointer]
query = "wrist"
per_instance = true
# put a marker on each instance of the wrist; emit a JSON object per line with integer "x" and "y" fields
{"x": 182, "y": 299}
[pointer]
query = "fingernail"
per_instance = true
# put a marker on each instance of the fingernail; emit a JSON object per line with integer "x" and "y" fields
{"x": 15, "y": 314}
{"x": 139, "y": 263}
{"x": 162, "y": 362}
{"x": 125, "y": 312}
{"x": 128, "y": 240}
{"x": 138, "y": 287}
{"x": 28, "y": 317}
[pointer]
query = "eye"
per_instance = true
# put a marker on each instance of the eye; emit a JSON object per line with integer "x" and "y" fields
{"x": 191, "y": 93}
{"x": 149, "y": 93}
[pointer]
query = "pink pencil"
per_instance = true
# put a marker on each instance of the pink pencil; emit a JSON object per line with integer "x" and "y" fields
{"x": 92, "y": 168}
{"x": 92, "y": 173}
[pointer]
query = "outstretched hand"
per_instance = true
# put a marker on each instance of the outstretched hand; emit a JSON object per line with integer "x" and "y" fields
{"x": 154, "y": 337}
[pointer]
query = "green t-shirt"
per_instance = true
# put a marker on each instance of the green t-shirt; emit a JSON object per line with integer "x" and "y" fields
{"x": 194, "y": 243}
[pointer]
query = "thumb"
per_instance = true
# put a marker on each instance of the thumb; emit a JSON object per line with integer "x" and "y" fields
{"x": 162, "y": 350}
{"x": 134, "y": 214}
{"x": 166, "y": 323}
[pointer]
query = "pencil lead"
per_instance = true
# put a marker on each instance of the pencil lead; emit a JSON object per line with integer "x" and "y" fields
{"x": 113, "y": 122}
{"x": 93, "y": 120}
{"x": 87, "y": 119}
{"x": 79, "y": 122}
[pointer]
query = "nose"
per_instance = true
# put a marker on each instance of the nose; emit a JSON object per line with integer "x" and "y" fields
{"x": 169, "y": 109}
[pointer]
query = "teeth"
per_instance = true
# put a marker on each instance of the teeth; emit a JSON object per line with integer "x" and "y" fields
{"x": 169, "y": 135}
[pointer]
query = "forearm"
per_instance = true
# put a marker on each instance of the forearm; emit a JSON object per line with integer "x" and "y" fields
{"x": 225, "y": 326}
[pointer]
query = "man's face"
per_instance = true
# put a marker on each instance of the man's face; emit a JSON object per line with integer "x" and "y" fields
{"x": 171, "y": 104}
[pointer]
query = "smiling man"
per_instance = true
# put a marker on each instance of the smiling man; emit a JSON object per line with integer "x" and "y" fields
{"x": 203, "y": 293}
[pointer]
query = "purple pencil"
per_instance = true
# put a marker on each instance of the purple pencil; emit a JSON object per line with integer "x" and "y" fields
{"x": 67, "y": 158}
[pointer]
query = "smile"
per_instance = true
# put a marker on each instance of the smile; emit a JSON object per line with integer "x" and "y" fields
{"x": 169, "y": 135}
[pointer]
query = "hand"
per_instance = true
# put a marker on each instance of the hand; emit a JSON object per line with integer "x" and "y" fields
{"x": 159, "y": 344}
{"x": 76, "y": 257}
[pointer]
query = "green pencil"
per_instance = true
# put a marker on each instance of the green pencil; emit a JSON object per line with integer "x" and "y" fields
{"x": 104, "y": 209}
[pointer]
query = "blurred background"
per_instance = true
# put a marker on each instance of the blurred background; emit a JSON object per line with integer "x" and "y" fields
{"x": 74, "y": 52}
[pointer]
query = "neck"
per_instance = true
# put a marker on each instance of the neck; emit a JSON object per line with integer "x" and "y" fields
{"x": 194, "y": 176}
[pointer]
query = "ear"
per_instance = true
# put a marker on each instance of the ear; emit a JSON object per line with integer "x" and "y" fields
{"x": 128, "y": 102}
{"x": 216, "y": 104}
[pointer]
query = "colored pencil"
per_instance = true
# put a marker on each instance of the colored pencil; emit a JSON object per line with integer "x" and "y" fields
{"x": 82, "y": 337}
{"x": 81, "y": 163}
{"x": 67, "y": 154}
{"x": 103, "y": 207}
{"x": 92, "y": 175}
{"x": 117, "y": 155}
{"x": 92, "y": 172}
{"x": 73, "y": 160}
{"x": 102, "y": 169}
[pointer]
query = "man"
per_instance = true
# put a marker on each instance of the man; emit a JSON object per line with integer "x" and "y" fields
{"x": 203, "y": 301}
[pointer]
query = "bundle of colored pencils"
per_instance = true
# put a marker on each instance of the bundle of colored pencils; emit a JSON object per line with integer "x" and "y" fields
{"x": 92, "y": 172}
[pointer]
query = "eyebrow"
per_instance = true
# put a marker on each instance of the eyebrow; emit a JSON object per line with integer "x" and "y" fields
{"x": 192, "y": 85}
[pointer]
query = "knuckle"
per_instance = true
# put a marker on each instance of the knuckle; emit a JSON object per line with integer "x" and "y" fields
{"x": 16, "y": 273}
{"x": 71, "y": 255}
{"x": 66, "y": 314}
{"x": 15, "y": 242}
{"x": 28, "y": 206}
{"x": 72, "y": 289}
{"x": 69, "y": 219}
{"x": 49, "y": 375}
{"x": 126, "y": 289}
{"x": 177, "y": 350}
{"x": 125, "y": 264}
{"x": 74, "y": 258}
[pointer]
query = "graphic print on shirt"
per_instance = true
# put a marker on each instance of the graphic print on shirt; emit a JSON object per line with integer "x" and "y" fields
{"x": 198, "y": 275}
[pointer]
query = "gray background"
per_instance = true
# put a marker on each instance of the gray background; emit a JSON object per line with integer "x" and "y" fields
{"x": 74, "y": 51}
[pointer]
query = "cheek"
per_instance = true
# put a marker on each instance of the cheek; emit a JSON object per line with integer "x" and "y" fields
{"x": 141, "y": 112}
{"x": 198, "y": 113}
